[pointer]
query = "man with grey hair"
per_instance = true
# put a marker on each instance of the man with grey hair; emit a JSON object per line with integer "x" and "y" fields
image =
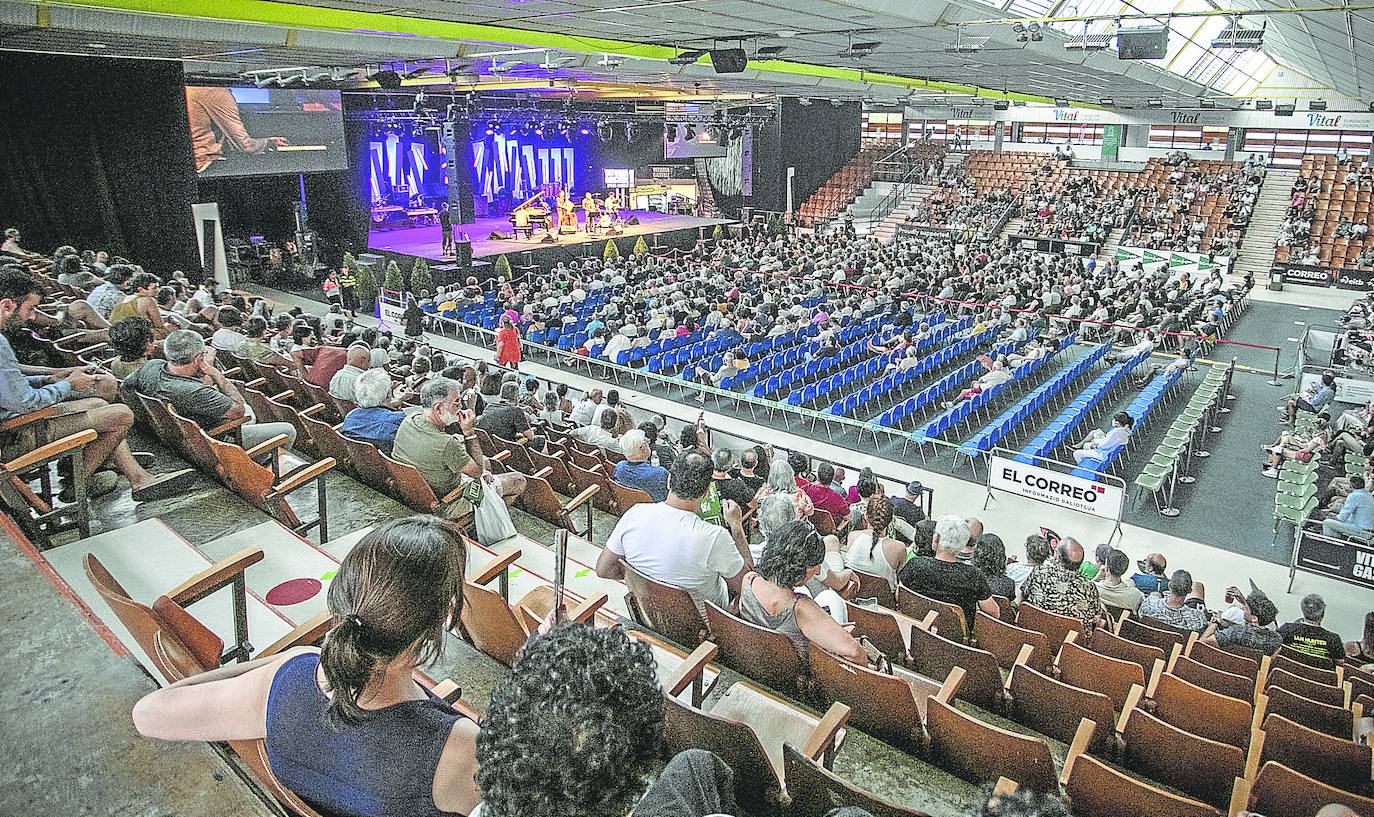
{"x": 189, "y": 380}
{"x": 1173, "y": 608}
{"x": 373, "y": 420}
{"x": 359, "y": 360}
{"x": 1308, "y": 636}
{"x": 944, "y": 578}
{"x": 635, "y": 471}
{"x": 505, "y": 419}
{"x": 727, "y": 486}
{"x": 599, "y": 434}
{"x": 443, "y": 459}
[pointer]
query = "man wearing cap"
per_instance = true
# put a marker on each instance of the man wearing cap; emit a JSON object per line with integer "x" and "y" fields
{"x": 1151, "y": 578}
{"x": 908, "y": 507}
{"x": 1255, "y": 629}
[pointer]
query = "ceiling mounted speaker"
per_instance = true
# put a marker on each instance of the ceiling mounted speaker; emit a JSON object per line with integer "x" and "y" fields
{"x": 1149, "y": 43}
{"x": 728, "y": 60}
{"x": 1284, "y": 110}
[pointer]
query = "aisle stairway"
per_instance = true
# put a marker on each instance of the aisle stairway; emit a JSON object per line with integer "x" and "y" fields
{"x": 1109, "y": 247}
{"x": 706, "y": 202}
{"x": 886, "y": 229}
{"x": 1013, "y": 226}
{"x": 1257, "y": 251}
{"x": 864, "y": 209}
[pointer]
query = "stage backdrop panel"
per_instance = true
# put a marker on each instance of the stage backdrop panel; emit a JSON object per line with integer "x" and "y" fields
{"x": 95, "y": 153}
{"x": 816, "y": 139}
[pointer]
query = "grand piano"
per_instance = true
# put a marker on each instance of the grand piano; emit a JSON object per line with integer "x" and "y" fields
{"x": 530, "y": 214}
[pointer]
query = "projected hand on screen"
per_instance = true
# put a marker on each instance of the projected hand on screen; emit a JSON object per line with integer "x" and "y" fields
{"x": 213, "y": 114}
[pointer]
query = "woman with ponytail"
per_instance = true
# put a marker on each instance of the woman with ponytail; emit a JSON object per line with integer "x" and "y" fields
{"x": 872, "y": 550}
{"x": 347, "y": 727}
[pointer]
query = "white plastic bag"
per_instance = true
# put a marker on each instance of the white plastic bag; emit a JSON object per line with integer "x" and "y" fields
{"x": 490, "y": 513}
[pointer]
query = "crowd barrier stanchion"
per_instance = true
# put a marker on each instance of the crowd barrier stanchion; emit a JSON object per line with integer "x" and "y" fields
{"x": 1275, "y": 381}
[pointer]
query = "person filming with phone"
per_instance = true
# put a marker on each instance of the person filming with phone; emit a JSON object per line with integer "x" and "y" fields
{"x": 190, "y": 381}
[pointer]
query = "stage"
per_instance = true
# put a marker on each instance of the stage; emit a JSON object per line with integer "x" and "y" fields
{"x": 424, "y": 242}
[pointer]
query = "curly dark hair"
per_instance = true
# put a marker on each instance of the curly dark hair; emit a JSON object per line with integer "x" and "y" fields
{"x": 990, "y": 555}
{"x": 130, "y": 337}
{"x": 790, "y": 552}
{"x": 576, "y": 728}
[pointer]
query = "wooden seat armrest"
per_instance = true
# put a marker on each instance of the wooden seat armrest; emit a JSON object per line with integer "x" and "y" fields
{"x": 284, "y": 396}
{"x": 256, "y": 382}
{"x": 692, "y": 668}
{"x": 452, "y": 495}
{"x": 308, "y": 633}
{"x": 448, "y": 690}
{"x": 496, "y": 567}
{"x": 1240, "y": 798}
{"x": 228, "y": 425}
{"x": 32, "y": 417}
{"x": 542, "y": 473}
{"x": 51, "y": 451}
{"x": 1082, "y": 738}
{"x": 581, "y": 499}
{"x": 584, "y": 611}
{"x": 1132, "y": 701}
{"x": 312, "y": 410}
{"x": 950, "y": 687}
{"x": 822, "y": 738}
{"x": 94, "y": 347}
{"x": 303, "y": 475}
{"x": 214, "y": 577}
{"x": 500, "y": 456}
{"x": 265, "y": 446}
{"x": 233, "y": 371}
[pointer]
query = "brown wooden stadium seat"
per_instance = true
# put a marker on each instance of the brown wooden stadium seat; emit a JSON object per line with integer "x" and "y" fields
{"x": 1154, "y": 633}
{"x": 1277, "y": 789}
{"x": 669, "y": 611}
{"x": 627, "y": 497}
{"x": 1054, "y": 626}
{"x": 1124, "y": 649}
{"x": 747, "y": 728}
{"x": 1335, "y": 761}
{"x": 414, "y": 491}
{"x": 758, "y": 653}
{"x": 539, "y": 500}
{"x": 499, "y": 628}
{"x": 815, "y": 791}
{"x": 1196, "y": 672}
{"x": 38, "y": 512}
{"x": 935, "y": 656}
{"x": 1283, "y": 661}
{"x": 884, "y": 628}
{"x": 980, "y": 752}
{"x": 1333, "y": 720}
{"x": 1361, "y": 682}
{"x": 1054, "y": 708}
{"x": 1112, "y": 677}
{"x": 265, "y": 489}
{"x": 519, "y": 459}
{"x": 875, "y": 587}
{"x": 677, "y": 670}
{"x": 1188, "y": 762}
{"x": 584, "y": 478}
{"x": 888, "y": 707}
{"x": 1095, "y": 789}
{"x": 1330, "y": 695}
{"x": 949, "y": 617}
{"x": 1200, "y": 711}
{"x": 1007, "y": 640}
{"x": 556, "y": 461}
{"x": 1115, "y": 613}
{"x": 1230, "y": 660}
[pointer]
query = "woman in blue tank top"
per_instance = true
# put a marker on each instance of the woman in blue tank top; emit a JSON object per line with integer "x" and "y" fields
{"x": 347, "y": 727}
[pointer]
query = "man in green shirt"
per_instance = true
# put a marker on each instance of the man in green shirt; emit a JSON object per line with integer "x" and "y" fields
{"x": 443, "y": 459}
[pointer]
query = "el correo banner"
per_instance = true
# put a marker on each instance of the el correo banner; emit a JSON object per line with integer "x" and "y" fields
{"x": 1054, "y": 488}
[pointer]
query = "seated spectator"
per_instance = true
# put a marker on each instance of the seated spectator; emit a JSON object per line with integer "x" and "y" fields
{"x": 83, "y": 403}
{"x": 1307, "y": 635}
{"x": 1255, "y": 628}
{"x": 358, "y": 360}
{"x": 1058, "y": 587}
{"x": 373, "y": 420}
{"x": 445, "y": 459}
{"x": 581, "y": 414}
{"x": 505, "y": 419}
{"x": 1296, "y": 444}
{"x": 729, "y": 487}
{"x": 316, "y": 364}
{"x": 995, "y": 376}
{"x": 669, "y": 543}
{"x": 599, "y": 435}
{"x": 1151, "y": 578}
{"x": 576, "y": 729}
{"x": 1356, "y": 517}
{"x": 908, "y": 506}
{"x": 792, "y": 557}
{"x": 1103, "y": 443}
{"x": 227, "y": 337}
{"x": 635, "y": 471}
{"x": 944, "y": 578}
{"x": 141, "y": 300}
{"x": 1311, "y": 399}
{"x": 990, "y": 556}
{"x": 782, "y": 481}
{"x": 132, "y": 338}
{"x": 1113, "y": 589}
{"x": 1037, "y": 551}
{"x": 1361, "y": 653}
{"x": 198, "y": 390}
{"x": 347, "y": 728}
{"x": 873, "y": 550}
{"x": 1173, "y": 608}
{"x": 822, "y": 496}
{"x": 748, "y": 465}
{"x": 257, "y": 345}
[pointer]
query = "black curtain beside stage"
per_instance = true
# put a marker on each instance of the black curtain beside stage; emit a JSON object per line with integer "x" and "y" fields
{"x": 816, "y": 140}
{"x": 96, "y": 153}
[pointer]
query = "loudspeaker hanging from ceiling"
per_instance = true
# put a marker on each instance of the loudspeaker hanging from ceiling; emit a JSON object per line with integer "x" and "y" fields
{"x": 728, "y": 60}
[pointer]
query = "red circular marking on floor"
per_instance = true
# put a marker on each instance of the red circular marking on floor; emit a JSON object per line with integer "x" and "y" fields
{"x": 293, "y": 591}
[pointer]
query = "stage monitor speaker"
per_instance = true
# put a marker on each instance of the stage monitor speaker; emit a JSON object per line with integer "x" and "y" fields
{"x": 1150, "y": 43}
{"x": 632, "y": 220}
{"x": 728, "y": 60}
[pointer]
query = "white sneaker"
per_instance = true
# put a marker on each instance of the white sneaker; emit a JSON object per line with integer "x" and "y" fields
{"x": 1272, "y": 473}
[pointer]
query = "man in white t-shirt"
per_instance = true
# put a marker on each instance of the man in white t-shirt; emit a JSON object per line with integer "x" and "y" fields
{"x": 668, "y": 542}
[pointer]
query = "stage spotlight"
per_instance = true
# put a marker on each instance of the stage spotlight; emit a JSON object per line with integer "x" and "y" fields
{"x": 604, "y": 131}
{"x": 629, "y": 132}
{"x": 583, "y": 130}
{"x": 493, "y": 125}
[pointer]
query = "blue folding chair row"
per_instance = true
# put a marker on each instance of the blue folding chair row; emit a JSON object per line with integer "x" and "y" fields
{"x": 1140, "y": 410}
{"x": 993, "y": 433}
{"x": 1061, "y": 427}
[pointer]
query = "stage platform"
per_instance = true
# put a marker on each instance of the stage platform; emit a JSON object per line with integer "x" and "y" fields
{"x": 425, "y": 242}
